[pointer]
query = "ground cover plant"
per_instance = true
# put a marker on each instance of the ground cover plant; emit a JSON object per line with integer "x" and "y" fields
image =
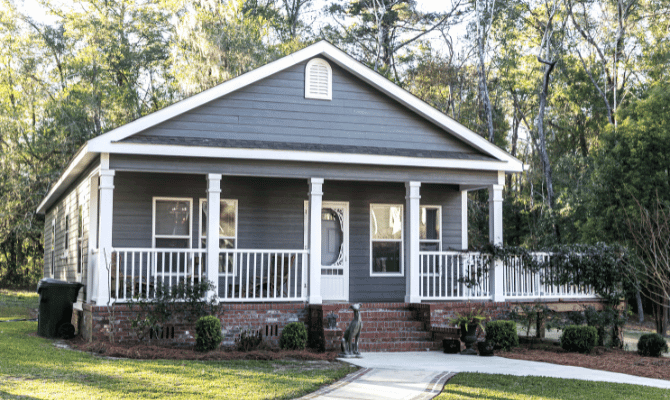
{"x": 508, "y": 387}
{"x": 32, "y": 366}
{"x": 17, "y": 305}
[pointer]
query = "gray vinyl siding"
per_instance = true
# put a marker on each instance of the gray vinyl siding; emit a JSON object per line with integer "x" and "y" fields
{"x": 271, "y": 216}
{"x": 66, "y": 254}
{"x": 300, "y": 170}
{"x": 275, "y": 109}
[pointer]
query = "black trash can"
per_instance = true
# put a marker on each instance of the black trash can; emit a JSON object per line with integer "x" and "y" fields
{"x": 55, "y": 311}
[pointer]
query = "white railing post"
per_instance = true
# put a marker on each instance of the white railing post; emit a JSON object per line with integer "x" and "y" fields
{"x": 412, "y": 198}
{"x": 213, "y": 217}
{"x": 496, "y": 286}
{"x": 106, "y": 200}
{"x": 315, "y": 202}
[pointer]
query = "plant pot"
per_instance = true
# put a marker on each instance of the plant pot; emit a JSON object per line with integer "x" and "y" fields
{"x": 469, "y": 337}
{"x": 451, "y": 346}
{"x": 485, "y": 348}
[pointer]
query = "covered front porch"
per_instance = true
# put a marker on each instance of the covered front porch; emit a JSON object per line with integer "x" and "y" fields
{"x": 299, "y": 240}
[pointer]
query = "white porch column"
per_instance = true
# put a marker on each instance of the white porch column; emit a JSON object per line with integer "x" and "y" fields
{"x": 496, "y": 238}
{"x": 464, "y": 220}
{"x": 106, "y": 200}
{"x": 91, "y": 271}
{"x": 412, "y": 216}
{"x": 213, "y": 218}
{"x": 315, "y": 201}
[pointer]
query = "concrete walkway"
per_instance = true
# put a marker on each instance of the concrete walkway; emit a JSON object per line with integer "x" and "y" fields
{"x": 422, "y": 375}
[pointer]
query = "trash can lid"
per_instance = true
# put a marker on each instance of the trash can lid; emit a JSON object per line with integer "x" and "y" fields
{"x": 50, "y": 282}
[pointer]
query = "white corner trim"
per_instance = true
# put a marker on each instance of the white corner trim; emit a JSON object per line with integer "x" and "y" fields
{"x": 306, "y": 156}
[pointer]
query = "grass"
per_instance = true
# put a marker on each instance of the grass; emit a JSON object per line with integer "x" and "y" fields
{"x": 31, "y": 366}
{"x": 16, "y": 305}
{"x": 508, "y": 387}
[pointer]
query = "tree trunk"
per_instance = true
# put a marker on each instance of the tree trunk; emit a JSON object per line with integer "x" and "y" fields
{"x": 640, "y": 310}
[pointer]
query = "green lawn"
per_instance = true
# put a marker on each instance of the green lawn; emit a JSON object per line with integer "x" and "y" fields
{"x": 15, "y": 305}
{"x": 32, "y": 366}
{"x": 508, "y": 387}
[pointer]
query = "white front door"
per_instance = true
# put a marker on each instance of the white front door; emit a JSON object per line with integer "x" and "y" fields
{"x": 334, "y": 249}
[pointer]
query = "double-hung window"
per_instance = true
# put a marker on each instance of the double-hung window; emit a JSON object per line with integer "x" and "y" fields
{"x": 430, "y": 235}
{"x": 172, "y": 222}
{"x": 80, "y": 239}
{"x": 227, "y": 229}
{"x": 386, "y": 236}
{"x": 53, "y": 245}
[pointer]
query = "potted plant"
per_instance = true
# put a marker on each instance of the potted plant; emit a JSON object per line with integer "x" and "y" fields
{"x": 469, "y": 322}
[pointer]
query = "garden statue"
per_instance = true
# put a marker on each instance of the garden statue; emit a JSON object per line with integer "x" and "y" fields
{"x": 351, "y": 335}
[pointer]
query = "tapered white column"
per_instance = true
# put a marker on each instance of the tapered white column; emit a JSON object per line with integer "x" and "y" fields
{"x": 315, "y": 202}
{"x": 412, "y": 215}
{"x": 464, "y": 220}
{"x": 106, "y": 199}
{"x": 92, "y": 270}
{"x": 213, "y": 220}
{"x": 496, "y": 238}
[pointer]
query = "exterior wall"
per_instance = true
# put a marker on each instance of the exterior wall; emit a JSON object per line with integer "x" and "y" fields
{"x": 271, "y": 216}
{"x": 275, "y": 110}
{"x": 66, "y": 254}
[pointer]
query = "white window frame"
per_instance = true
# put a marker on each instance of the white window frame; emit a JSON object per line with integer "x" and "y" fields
{"x": 308, "y": 80}
{"x": 439, "y": 224}
{"x": 204, "y": 236}
{"x": 190, "y": 221}
{"x": 53, "y": 244}
{"x": 66, "y": 237}
{"x": 401, "y": 241}
{"x": 80, "y": 240}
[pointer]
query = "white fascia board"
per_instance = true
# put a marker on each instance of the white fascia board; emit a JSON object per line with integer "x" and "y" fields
{"x": 208, "y": 95}
{"x": 81, "y": 159}
{"x": 304, "y": 156}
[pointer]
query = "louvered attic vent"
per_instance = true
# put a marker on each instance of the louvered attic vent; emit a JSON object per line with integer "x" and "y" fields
{"x": 318, "y": 80}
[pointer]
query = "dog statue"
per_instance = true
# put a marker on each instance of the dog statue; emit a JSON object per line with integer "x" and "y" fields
{"x": 351, "y": 335}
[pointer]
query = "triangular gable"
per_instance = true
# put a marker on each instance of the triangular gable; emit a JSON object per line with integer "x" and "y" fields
{"x": 327, "y": 50}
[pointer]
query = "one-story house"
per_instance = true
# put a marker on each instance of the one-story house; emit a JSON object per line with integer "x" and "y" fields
{"x": 325, "y": 183}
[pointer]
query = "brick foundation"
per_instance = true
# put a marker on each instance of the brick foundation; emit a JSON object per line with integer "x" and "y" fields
{"x": 386, "y": 326}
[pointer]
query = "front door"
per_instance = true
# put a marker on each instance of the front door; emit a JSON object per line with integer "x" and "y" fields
{"x": 334, "y": 249}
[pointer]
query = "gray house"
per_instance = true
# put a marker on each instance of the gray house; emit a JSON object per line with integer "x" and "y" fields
{"x": 323, "y": 181}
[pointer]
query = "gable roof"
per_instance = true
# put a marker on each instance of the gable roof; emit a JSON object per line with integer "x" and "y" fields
{"x": 114, "y": 142}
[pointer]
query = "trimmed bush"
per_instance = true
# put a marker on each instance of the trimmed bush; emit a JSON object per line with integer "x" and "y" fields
{"x": 207, "y": 333}
{"x": 579, "y": 338}
{"x": 503, "y": 334}
{"x": 651, "y": 345}
{"x": 293, "y": 336}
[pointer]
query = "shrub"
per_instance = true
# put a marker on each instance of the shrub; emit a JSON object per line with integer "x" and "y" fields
{"x": 207, "y": 333}
{"x": 503, "y": 334}
{"x": 249, "y": 340}
{"x": 579, "y": 338}
{"x": 651, "y": 345}
{"x": 293, "y": 336}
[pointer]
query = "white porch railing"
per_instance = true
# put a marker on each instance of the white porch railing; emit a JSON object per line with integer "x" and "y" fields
{"x": 244, "y": 275}
{"x": 521, "y": 283}
{"x": 262, "y": 275}
{"x": 443, "y": 274}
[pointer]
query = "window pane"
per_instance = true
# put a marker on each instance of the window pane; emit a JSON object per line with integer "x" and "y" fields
{"x": 429, "y": 227}
{"x": 386, "y": 256}
{"x": 172, "y": 217}
{"x": 227, "y": 221}
{"x": 172, "y": 243}
{"x": 427, "y": 246}
{"x": 386, "y": 221}
{"x": 226, "y": 218}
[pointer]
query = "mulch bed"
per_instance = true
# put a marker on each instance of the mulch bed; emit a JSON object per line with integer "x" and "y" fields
{"x": 155, "y": 352}
{"x": 606, "y": 359}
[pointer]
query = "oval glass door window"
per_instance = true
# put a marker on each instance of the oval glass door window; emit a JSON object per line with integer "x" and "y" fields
{"x": 331, "y": 236}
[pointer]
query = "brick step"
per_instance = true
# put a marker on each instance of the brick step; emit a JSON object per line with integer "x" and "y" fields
{"x": 395, "y": 335}
{"x": 380, "y": 315}
{"x": 386, "y": 325}
{"x": 398, "y": 346}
